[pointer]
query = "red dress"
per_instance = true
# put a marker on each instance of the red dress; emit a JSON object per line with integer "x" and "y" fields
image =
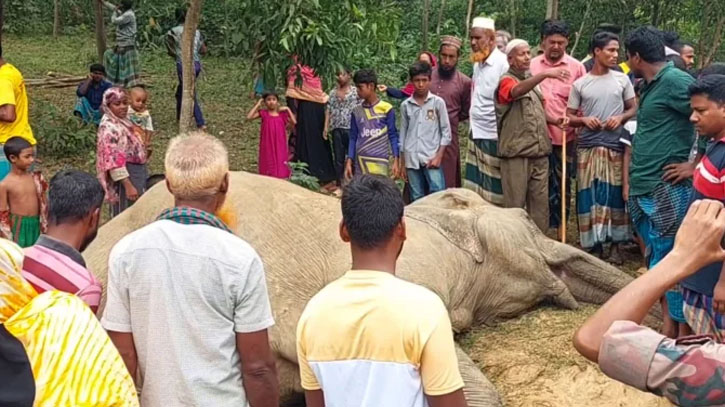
{"x": 273, "y": 153}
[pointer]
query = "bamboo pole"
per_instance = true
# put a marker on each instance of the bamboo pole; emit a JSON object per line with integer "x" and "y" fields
{"x": 563, "y": 187}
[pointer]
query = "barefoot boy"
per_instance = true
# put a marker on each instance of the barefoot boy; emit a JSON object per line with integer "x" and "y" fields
{"x": 22, "y": 196}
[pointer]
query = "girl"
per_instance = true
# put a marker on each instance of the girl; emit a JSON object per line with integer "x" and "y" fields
{"x": 405, "y": 93}
{"x": 121, "y": 156}
{"x": 273, "y": 153}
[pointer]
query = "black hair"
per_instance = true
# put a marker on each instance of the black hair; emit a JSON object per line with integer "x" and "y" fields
{"x": 180, "y": 14}
{"x": 711, "y": 86}
{"x": 126, "y": 5}
{"x": 268, "y": 93}
{"x": 601, "y": 40}
{"x": 73, "y": 195}
{"x": 718, "y": 68}
{"x": 372, "y": 206}
{"x": 14, "y": 146}
{"x": 365, "y": 76}
{"x": 680, "y": 45}
{"x": 345, "y": 68}
{"x": 647, "y": 42}
{"x": 553, "y": 27}
{"x": 677, "y": 61}
{"x": 608, "y": 28}
{"x": 98, "y": 68}
{"x": 669, "y": 38}
{"x": 420, "y": 68}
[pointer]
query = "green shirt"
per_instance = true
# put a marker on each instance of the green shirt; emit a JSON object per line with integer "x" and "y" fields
{"x": 664, "y": 132}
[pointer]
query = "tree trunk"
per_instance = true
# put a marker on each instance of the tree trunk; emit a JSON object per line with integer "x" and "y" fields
{"x": 186, "y": 121}
{"x": 468, "y": 19}
{"x": 581, "y": 27}
{"x": 552, "y": 9}
{"x": 440, "y": 17}
{"x": 656, "y": 13}
{"x": 100, "y": 30}
{"x": 512, "y": 3}
{"x": 56, "y": 18}
{"x": 2, "y": 20}
{"x": 716, "y": 41}
{"x": 426, "y": 13}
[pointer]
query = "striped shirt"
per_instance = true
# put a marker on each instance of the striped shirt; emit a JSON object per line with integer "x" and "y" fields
{"x": 53, "y": 265}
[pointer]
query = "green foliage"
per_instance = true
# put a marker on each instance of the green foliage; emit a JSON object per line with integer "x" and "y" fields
{"x": 301, "y": 176}
{"x": 62, "y": 134}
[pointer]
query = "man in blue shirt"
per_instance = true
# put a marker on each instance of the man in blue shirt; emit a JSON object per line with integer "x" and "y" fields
{"x": 90, "y": 95}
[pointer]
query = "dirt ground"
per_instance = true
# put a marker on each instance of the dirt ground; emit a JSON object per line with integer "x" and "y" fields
{"x": 533, "y": 364}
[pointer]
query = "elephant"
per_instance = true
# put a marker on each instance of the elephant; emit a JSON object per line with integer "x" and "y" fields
{"x": 485, "y": 262}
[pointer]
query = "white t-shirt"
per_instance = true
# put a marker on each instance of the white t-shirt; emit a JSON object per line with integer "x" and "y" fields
{"x": 184, "y": 291}
{"x": 484, "y": 83}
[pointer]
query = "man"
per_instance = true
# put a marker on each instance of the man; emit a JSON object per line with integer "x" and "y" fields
{"x": 454, "y": 87}
{"x": 13, "y": 109}
{"x": 173, "y": 46}
{"x": 370, "y": 339}
{"x": 90, "y": 95}
{"x": 483, "y": 169}
{"x": 660, "y": 175}
{"x": 187, "y": 299}
{"x": 605, "y": 98}
{"x": 688, "y": 372}
{"x": 554, "y": 40}
{"x": 687, "y": 53}
{"x": 55, "y": 262}
{"x": 524, "y": 144}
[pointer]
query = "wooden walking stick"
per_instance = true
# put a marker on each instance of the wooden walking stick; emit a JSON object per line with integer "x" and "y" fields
{"x": 563, "y": 186}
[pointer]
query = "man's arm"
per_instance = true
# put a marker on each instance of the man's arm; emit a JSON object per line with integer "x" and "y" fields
{"x": 123, "y": 341}
{"x": 259, "y": 372}
{"x": 625, "y": 172}
{"x": 83, "y": 87}
{"x": 7, "y": 113}
{"x": 697, "y": 244}
{"x": 392, "y": 132}
{"x": 442, "y": 381}
{"x": 630, "y": 109}
{"x": 525, "y": 86}
{"x": 465, "y": 100}
{"x": 314, "y": 398}
{"x": 6, "y": 228}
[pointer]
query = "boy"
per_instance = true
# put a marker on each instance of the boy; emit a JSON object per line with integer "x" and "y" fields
{"x": 704, "y": 292}
{"x": 90, "y": 95}
{"x": 140, "y": 116}
{"x": 22, "y": 196}
{"x": 373, "y": 135}
{"x": 370, "y": 339}
{"x": 343, "y": 99}
{"x": 424, "y": 135}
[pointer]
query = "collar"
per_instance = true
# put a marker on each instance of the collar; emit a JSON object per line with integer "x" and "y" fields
{"x": 62, "y": 248}
{"x": 563, "y": 61}
{"x": 191, "y": 216}
{"x": 427, "y": 98}
{"x": 667, "y": 67}
{"x": 496, "y": 54}
{"x": 367, "y": 105}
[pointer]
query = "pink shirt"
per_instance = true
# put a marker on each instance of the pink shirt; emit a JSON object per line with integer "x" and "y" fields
{"x": 556, "y": 92}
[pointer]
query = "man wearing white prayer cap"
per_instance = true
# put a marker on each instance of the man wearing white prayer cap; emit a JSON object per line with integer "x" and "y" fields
{"x": 482, "y": 171}
{"x": 524, "y": 144}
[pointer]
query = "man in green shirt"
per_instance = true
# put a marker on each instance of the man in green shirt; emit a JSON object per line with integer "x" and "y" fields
{"x": 660, "y": 182}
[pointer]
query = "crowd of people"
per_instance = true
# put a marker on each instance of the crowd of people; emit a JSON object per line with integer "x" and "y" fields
{"x": 640, "y": 138}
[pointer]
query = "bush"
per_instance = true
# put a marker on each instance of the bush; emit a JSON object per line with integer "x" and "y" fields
{"x": 60, "y": 134}
{"x": 301, "y": 176}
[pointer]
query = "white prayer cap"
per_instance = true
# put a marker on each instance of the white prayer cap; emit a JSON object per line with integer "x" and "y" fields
{"x": 484, "y": 22}
{"x": 513, "y": 44}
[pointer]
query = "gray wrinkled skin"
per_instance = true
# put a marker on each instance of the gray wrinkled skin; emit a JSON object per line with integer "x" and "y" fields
{"x": 485, "y": 262}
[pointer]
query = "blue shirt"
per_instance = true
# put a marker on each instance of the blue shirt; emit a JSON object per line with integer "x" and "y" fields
{"x": 708, "y": 183}
{"x": 95, "y": 92}
{"x": 372, "y": 130}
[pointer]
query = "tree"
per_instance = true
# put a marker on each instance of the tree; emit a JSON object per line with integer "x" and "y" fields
{"x": 424, "y": 29}
{"x": 56, "y": 18}
{"x": 441, "y": 10}
{"x": 100, "y": 29}
{"x": 186, "y": 121}
{"x": 552, "y": 9}
{"x": 468, "y": 17}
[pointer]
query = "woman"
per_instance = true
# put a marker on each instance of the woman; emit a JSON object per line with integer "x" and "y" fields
{"x": 405, "y": 93}
{"x": 122, "y": 62}
{"x": 121, "y": 155}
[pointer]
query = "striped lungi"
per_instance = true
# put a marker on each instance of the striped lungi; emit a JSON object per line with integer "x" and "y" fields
{"x": 483, "y": 170}
{"x": 600, "y": 207}
{"x": 122, "y": 66}
{"x": 700, "y": 315}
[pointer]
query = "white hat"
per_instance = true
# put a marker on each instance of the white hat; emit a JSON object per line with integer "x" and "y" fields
{"x": 513, "y": 44}
{"x": 484, "y": 22}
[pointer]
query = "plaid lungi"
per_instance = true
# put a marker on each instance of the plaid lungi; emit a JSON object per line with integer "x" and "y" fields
{"x": 122, "y": 66}
{"x": 700, "y": 315}
{"x": 483, "y": 170}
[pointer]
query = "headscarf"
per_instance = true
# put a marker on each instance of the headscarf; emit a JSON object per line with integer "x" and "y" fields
{"x": 409, "y": 87}
{"x": 61, "y": 356}
{"x": 117, "y": 143}
{"x": 311, "y": 89}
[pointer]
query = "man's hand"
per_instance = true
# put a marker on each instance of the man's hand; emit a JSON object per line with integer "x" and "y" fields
{"x": 625, "y": 191}
{"x": 382, "y": 88}
{"x": 434, "y": 162}
{"x": 348, "y": 169}
{"x": 557, "y": 73}
{"x": 700, "y": 235}
{"x": 592, "y": 123}
{"x": 324, "y": 134}
{"x": 613, "y": 123}
{"x": 718, "y": 297}
{"x": 676, "y": 173}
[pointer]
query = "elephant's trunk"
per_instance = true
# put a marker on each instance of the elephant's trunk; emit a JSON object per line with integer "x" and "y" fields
{"x": 478, "y": 390}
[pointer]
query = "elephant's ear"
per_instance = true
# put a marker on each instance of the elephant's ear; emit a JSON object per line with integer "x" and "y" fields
{"x": 453, "y": 213}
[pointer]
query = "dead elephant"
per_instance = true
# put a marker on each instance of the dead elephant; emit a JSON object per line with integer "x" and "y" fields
{"x": 483, "y": 261}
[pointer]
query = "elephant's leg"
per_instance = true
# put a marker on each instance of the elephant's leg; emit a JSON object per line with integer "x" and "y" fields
{"x": 478, "y": 390}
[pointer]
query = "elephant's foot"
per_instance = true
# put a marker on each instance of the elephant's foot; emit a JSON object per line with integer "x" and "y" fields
{"x": 478, "y": 390}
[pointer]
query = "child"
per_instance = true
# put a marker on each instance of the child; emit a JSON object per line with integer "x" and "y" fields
{"x": 424, "y": 134}
{"x": 273, "y": 153}
{"x": 139, "y": 115}
{"x": 22, "y": 196}
{"x": 373, "y": 135}
{"x": 343, "y": 99}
